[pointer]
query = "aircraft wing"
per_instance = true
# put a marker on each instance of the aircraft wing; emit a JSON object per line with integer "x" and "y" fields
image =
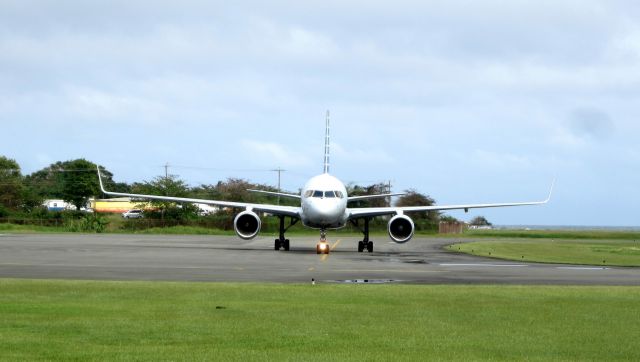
{"x": 366, "y": 197}
{"x": 293, "y": 196}
{"x": 271, "y": 209}
{"x": 355, "y": 213}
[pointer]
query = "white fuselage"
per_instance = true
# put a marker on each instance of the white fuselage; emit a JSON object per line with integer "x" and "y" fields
{"x": 324, "y": 203}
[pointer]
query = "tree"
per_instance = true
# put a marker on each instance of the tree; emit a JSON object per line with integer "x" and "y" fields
{"x": 166, "y": 186}
{"x": 414, "y": 198}
{"x": 375, "y": 189}
{"x": 235, "y": 189}
{"x": 74, "y": 181}
{"x": 207, "y": 192}
{"x": 79, "y": 182}
{"x": 47, "y": 183}
{"x": 11, "y": 186}
{"x": 480, "y": 221}
{"x": 448, "y": 219}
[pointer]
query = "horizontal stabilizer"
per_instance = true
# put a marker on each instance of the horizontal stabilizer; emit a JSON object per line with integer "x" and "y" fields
{"x": 366, "y": 197}
{"x": 293, "y": 196}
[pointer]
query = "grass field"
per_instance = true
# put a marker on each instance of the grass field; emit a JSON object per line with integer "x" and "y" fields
{"x": 588, "y": 252}
{"x": 29, "y": 228}
{"x": 556, "y": 234}
{"x": 82, "y": 320}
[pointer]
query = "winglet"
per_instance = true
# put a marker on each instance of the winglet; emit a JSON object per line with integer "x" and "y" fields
{"x": 553, "y": 183}
{"x": 326, "y": 146}
{"x": 100, "y": 180}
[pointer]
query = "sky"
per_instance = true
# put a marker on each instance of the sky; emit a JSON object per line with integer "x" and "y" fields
{"x": 465, "y": 101}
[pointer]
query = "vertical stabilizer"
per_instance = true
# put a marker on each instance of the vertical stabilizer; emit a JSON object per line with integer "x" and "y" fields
{"x": 326, "y": 147}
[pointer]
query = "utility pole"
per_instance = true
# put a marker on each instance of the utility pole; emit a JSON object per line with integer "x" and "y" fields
{"x": 279, "y": 170}
{"x": 166, "y": 171}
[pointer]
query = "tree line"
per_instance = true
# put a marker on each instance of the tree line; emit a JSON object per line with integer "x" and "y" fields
{"x": 76, "y": 181}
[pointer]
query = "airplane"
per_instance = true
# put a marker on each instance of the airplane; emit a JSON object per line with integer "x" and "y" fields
{"x": 323, "y": 206}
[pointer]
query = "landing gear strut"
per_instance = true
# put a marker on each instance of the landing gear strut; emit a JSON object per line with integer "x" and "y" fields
{"x": 365, "y": 243}
{"x": 322, "y": 247}
{"x": 281, "y": 242}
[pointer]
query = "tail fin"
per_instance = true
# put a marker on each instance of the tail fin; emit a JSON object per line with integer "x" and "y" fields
{"x": 326, "y": 147}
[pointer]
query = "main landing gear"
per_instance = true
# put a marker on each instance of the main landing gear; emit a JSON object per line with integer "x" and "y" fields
{"x": 365, "y": 243}
{"x": 281, "y": 242}
{"x": 322, "y": 247}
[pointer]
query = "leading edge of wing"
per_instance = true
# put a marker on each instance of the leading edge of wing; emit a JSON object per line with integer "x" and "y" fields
{"x": 272, "y": 209}
{"x": 379, "y": 211}
{"x": 366, "y": 197}
{"x": 293, "y": 196}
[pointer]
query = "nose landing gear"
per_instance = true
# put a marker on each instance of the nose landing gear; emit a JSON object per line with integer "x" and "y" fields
{"x": 322, "y": 247}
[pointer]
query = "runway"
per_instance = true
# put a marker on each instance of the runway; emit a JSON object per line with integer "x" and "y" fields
{"x": 229, "y": 259}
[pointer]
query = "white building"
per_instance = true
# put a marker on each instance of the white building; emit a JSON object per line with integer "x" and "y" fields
{"x": 58, "y": 205}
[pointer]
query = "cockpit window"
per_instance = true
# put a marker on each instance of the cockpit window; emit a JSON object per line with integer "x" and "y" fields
{"x": 323, "y": 194}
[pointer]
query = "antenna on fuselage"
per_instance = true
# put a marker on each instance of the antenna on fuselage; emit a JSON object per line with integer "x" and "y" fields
{"x": 326, "y": 146}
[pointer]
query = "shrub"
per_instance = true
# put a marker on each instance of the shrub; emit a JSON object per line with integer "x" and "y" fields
{"x": 88, "y": 223}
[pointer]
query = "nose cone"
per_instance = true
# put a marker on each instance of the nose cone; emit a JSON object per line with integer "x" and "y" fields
{"x": 325, "y": 211}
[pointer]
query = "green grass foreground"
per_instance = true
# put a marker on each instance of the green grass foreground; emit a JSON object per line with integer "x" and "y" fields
{"x": 586, "y": 252}
{"x": 90, "y": 320}
{"x": 17, "y": 229}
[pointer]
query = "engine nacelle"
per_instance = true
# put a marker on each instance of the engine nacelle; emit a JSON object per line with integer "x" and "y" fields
{"x": 401, "y": 228}
{"x": 247, "y": 224}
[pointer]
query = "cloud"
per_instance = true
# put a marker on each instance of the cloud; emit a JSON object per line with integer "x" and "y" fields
{"x": 410, "y": 83}
{"x": 353, "y": 154}
{"x": 304, "y": 43}
{"x": 273, "y": 154}
{"x": 96, "y": 105}
{"x": 591, "y": 123}
{"x": 583, "y": 127}
{"x": 500, "y": 160}
{"x": 562, "y": 136}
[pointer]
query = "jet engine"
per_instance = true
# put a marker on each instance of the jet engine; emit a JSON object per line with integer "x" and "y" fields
{"x": 247, "y": 225}
{"x": 401, "y": 228}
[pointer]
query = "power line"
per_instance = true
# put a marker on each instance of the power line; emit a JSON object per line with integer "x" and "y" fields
{"x": 219, "y": 169}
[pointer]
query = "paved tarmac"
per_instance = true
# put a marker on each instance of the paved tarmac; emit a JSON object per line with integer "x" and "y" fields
{"x": 227, "y": 258}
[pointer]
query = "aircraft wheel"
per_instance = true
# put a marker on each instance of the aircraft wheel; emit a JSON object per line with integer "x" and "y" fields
{"x": 360, "y": 246}
{"x": 370, "y": 246}
{"x": 277, "y": 245}
{"x": 322, "y": 247}
{"x": 286, "y": 245}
